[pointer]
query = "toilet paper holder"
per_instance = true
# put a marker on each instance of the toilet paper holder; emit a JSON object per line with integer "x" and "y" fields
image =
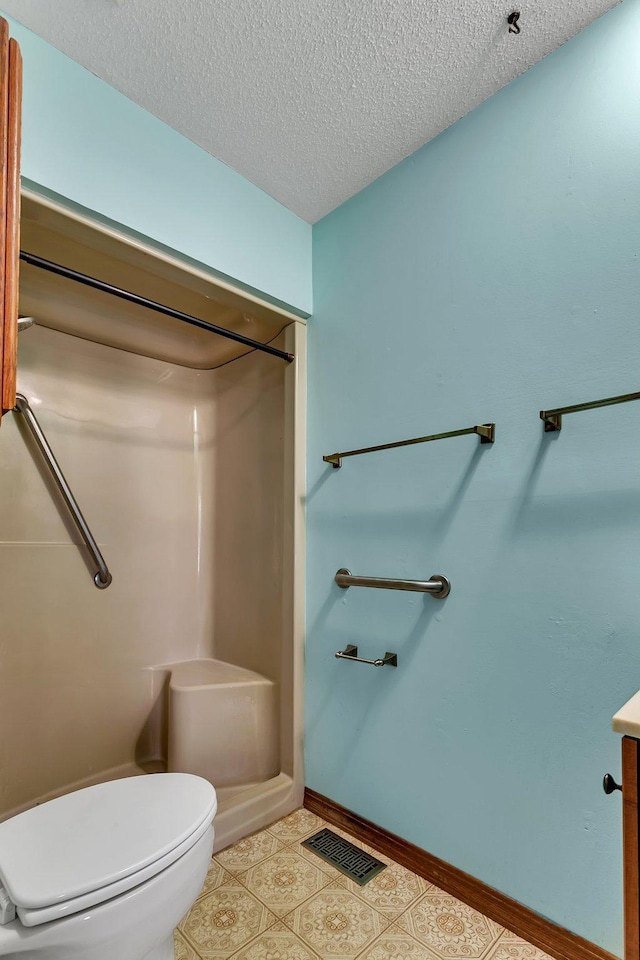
{"x": 350, "y": 652}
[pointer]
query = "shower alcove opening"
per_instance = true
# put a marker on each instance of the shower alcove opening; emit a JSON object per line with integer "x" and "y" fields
{"x": 186, "y": 454}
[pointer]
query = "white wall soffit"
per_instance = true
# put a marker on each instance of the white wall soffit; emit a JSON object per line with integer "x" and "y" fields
{"x": 309, "y": 99}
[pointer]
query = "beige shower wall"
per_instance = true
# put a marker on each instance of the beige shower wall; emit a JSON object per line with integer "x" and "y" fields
{"x": 179, "y": 474}
{"x": 248, "y": 565}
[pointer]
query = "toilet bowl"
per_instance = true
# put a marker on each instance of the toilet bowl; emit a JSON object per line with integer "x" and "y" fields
{"x": 105, "y": 873}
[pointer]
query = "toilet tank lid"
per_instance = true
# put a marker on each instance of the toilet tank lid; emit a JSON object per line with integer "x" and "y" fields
{"x": 96, "y": 836}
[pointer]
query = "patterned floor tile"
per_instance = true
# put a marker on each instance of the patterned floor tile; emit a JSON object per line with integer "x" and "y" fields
{"x": 246, "y": 853}
{"x": 390, "y": 892}
{"x": 448, "y": 927}
{"x": 224, "y": 921}
{"x": 395, "y": 944}
{"x": 336, "y": 924}
{"x": 297, "y": 826}
{"x": 510, "y": 947}
{"x": 215, "y": 878}
{"x": 284, "y": 881}
{"x": 182, "y": 949}
{"x": 277, "y": 943}
{"x": 326, "y": 916}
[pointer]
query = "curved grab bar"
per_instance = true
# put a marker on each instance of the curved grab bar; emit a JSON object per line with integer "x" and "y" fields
{"x": 437, "y": 585}
{"x": 102, "y": 578}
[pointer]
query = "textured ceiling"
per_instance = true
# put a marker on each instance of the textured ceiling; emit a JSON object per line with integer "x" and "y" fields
{"x": 309, "y": 99}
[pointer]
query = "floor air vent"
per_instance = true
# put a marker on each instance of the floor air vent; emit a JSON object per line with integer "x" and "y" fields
{"x": 344, "y": 856}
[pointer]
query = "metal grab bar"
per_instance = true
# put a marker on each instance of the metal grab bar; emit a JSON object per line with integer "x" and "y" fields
{"x": 351, "y": 653}
{"x": 437, "y": 585}
{"x": 103, "y": 578}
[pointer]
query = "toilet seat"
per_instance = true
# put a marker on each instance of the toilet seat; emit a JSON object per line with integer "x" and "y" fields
{"x": 91, "y": 845}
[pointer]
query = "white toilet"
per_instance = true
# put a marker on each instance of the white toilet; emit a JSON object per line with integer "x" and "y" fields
{"x": 107, "y": 872}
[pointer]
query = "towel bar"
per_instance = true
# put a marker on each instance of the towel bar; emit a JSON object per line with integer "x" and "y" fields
{"x": 486, "y": 432}
{"x": 552, "y": 419}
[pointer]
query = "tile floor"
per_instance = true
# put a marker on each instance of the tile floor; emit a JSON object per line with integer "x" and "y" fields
{"x": 269, "y": 898}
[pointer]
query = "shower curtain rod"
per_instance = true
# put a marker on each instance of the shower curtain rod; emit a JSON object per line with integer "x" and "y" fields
{"x": 88, "y": 281}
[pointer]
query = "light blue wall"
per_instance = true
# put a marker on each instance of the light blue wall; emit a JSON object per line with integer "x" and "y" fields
{"x": 84, "y": 140}
{"x": 492, "y": 274}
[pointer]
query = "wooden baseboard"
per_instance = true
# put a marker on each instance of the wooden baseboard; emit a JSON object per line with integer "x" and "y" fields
{"x": 522, "y": 921}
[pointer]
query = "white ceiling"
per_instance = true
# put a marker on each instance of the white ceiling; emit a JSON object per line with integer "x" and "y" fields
{"x": 309, "y": 99}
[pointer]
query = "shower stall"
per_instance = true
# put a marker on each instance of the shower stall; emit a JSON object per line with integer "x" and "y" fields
{"x": 185, "y": 451}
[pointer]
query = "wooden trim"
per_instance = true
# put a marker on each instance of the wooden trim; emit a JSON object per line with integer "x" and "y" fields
{"x": 522, "y": 921}
{"x": 4, "y": 114}
{"x": 631, "y": 840}
{"x": 12, "y": 262}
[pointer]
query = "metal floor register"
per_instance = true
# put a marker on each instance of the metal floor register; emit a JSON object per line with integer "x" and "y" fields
{"x": 355, "y": 863}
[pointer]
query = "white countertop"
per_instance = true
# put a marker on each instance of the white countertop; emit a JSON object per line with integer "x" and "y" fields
{"x": 627, "y": 719}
